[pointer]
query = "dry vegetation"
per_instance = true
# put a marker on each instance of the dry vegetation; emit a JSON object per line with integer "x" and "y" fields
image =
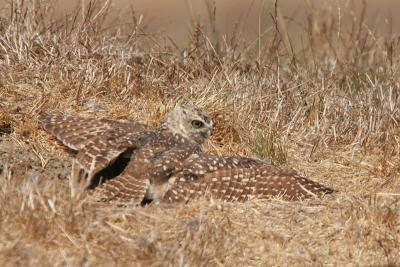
{"x": 328, "y": 108}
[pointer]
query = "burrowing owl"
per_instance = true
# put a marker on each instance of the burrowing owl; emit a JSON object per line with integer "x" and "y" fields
{"x": 167, "y": 164}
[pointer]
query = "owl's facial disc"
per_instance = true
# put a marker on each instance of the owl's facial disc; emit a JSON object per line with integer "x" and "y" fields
{"x": 192, "y": 123}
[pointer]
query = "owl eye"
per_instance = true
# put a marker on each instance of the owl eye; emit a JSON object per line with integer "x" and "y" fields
{"x": 196, "y": 124}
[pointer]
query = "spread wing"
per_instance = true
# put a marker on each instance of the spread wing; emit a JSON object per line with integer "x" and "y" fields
{"x": 101, "y": 151}
{"x": 74, "y": 132}
{"x": 133, "y": 184}
{"x": 147, "y": 173}
{"x": 123, "y": 189}
{"x": 98, "y": 142}
{"x": 238, "y": 179}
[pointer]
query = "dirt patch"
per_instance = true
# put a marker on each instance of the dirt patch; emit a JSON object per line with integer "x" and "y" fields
{"x": 22, "y": 163}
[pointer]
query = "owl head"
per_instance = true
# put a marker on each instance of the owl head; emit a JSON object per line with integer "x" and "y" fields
{"x": 190, "y": 122}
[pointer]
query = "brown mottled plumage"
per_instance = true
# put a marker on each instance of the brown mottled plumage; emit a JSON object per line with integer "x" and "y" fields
{"x": 167, "y": 164}
{"x": 238, "y": 179}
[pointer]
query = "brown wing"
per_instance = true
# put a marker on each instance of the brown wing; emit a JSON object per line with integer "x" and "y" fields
{"x": 238, "y": 179}
{"x": 75, "y": 132}
{"x": 134, "y": 183}
{"x": 101, "y": 151}
{"x": 153, "y": 163}
{"x": 98, "y": 142}
{"x": 123, "y": 189}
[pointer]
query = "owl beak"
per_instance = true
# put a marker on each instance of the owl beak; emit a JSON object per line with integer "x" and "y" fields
{"x": 207, "y": 134}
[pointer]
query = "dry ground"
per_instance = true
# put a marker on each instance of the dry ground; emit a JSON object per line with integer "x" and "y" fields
{"x": 329, "y": 110}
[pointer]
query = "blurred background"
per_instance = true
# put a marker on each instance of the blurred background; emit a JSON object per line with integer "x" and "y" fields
{"x": 174, "y": 19}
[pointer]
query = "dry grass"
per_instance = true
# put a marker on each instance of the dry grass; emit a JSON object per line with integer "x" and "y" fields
{"x": 329, "y": 110}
